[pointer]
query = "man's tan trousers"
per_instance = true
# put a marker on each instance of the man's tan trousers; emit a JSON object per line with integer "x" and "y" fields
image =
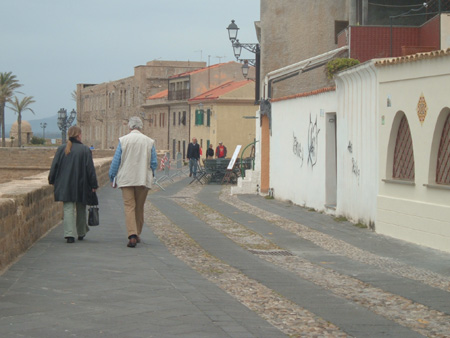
{"x": 134, "y": 200}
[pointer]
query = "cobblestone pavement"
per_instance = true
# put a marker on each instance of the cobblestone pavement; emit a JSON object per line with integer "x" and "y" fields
{"x": 214, "y": 265}
{"x": 283, "y": 313}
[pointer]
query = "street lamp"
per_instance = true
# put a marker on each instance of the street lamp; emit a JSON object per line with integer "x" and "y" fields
{"x": 245, "y": 69}
{"x": 43, "y": 126}
{"x": 251, "y": 47}
{"x": 64, "y": 122}
{"x": 232, "y": 31}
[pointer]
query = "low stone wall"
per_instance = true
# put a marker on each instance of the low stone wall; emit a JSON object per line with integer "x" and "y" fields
{"x": 28, "y": 211}
{"x": 23, "y": 162}
{"x": 27, "y": 157}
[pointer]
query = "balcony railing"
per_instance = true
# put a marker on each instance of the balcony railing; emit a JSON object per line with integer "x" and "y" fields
{"x": 179, "y": 94}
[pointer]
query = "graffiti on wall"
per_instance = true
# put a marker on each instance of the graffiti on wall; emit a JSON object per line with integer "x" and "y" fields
{"x": 298, "y": 149}
{"x": 355, "y": 169}
{"x": 313, "y": 142}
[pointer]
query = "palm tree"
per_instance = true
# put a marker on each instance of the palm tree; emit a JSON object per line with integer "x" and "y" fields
{"x": 19, "y": 107}
{"x": 8, "y": 83}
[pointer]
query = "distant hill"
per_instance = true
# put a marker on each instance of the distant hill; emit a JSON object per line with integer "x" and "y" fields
{"x": 51, "y": 131}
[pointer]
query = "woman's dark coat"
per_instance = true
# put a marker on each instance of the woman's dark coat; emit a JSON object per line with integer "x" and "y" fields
{"x": 73, "y": 175}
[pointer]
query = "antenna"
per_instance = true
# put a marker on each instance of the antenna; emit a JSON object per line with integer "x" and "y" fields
{"x": 201, "y": 53}
{"x": 220, "y": 58}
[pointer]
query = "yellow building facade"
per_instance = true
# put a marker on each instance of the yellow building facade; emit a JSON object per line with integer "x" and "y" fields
{"x": 225, "y": 114}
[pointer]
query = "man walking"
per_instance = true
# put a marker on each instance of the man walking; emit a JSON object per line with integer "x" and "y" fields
{"x": 132, "y": 171}
{"x": 193, "y": 155}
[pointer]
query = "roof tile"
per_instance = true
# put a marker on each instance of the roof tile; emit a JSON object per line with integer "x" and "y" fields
{"x": 160, "y": 95}
{"x": 412, "y": 57}
{"x": 224, "y": 88}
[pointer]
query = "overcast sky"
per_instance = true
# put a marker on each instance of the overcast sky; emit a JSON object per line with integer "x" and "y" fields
{"x": 51, "y": 45}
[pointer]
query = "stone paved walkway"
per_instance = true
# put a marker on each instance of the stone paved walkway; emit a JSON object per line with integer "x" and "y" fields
{"x": 215, "y": 265}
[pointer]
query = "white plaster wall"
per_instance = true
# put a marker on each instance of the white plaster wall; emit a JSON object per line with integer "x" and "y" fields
{"x": 357, "y": 144}
{"x": 298, "y": 177}
{"x": 419, "y": 212}
{"x": 258, "y": 144}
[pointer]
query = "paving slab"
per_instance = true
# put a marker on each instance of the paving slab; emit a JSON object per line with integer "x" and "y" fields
{"x": 99, "y": 287}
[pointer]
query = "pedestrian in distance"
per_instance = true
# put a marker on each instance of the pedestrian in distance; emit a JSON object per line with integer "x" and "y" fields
{"x": 74, "y": 179}
{"x": 221, "y": 150}
{"x": 193, "y": 155}
{"x": 132, "y": 170}
{"x": 210, "y": 152}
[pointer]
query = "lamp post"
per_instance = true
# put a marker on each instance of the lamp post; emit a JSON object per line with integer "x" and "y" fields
{"x": 43, "y": 126}
{"x": 251, "y": 47}
{"x": 64, "y": 122}
{"x": 424, "y": 5}
{"x": 245, "y": 69}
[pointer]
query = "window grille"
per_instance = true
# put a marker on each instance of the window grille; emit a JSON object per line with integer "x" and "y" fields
{"x": 403, "y": 154}
{"x": 443, "y": 161}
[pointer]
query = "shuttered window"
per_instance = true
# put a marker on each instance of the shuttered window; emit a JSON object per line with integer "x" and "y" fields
{"x": 199, "y": 117}
{"x": 443, "y": 161}
{"x": 403, "y": 154}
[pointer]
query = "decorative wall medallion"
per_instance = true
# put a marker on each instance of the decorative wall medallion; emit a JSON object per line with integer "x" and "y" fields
{"x": 422, "y": 109}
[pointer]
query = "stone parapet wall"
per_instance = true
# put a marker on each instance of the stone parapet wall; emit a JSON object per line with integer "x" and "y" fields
{"x": 28, "y": 211}
{"x": 100, "y": 153}
{"x": 23, "y": 162}
{"x": 10, "y": 174}
{"x": 26, "y": 157}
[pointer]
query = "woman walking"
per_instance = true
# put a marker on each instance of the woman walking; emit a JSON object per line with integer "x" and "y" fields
{"x": 73, "y": 175}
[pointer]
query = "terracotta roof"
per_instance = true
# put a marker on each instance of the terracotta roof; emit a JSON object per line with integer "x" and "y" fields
{"x": 311, "y": 93}
{"x": 217, "y": 92}
{"x": 197, "y": 70}
{"x": 412, "y": 58}
{"x": 159, "y": 95}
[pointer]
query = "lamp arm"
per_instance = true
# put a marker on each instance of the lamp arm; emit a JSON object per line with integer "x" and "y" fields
{"x": 70, "y": 120}
{"x": 251, "y": 47}
{"x": 251, "y": 62}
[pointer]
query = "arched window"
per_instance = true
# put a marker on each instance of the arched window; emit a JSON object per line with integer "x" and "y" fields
{"x": 403, "y": 153}
{"x": 443, "y": 160}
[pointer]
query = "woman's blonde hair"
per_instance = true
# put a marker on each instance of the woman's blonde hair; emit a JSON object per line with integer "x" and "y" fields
{"x": 73, "y": 132}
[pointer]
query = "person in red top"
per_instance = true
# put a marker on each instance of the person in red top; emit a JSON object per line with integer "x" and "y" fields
{"x": 221, "y": 151}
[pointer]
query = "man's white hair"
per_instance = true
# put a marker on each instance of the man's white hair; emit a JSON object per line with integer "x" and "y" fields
{"x": 135, "y": 122}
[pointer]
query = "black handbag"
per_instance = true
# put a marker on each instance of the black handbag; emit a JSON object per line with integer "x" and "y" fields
{"x": 93, "y": 218}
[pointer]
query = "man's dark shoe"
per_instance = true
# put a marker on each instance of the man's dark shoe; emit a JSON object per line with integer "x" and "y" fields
{"x": 190, "y": 174}
{"x": 132, "y": 241}
{"x": 70, "y": 240}
{"x": 80, "y": 238}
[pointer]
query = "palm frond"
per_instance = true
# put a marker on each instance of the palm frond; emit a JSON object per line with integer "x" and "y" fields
{"x": 8, "y": 84}
{"x": 19, "y": 106}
